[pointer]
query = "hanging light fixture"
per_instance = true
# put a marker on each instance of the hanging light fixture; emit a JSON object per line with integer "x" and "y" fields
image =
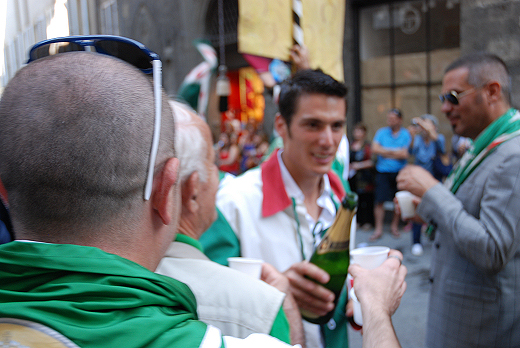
{"x": 223, "y": 85}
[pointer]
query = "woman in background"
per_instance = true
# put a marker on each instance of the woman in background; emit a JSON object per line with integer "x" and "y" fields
{"x": 229, "y": 154}
{"x": 361, "y": 175}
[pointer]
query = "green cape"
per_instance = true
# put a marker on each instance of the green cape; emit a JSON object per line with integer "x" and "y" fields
{"x": 96, "y": 299}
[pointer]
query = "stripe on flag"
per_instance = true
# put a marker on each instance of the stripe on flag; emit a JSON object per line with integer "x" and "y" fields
{"x": 297, "y": 16}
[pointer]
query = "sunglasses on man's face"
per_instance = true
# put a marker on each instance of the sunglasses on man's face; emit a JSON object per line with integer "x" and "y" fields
{"x": 453, "y": 96}
{"x": 132, "y": 52}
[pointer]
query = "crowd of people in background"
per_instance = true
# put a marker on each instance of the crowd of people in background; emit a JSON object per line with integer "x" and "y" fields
{"x": 241, "y": 146}
{"x": 372, "y": 177}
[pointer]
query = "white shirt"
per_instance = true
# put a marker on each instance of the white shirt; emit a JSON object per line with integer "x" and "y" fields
{"x": 324, "y": 201}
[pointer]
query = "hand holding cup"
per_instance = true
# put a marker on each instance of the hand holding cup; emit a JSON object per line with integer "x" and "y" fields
{"x": 380, "y": 290}
{"x": 406, "y": 204}
{"x": 368, "y": 258}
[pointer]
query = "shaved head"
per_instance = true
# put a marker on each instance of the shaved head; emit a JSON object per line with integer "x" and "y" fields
{"x": 76, "y": 132}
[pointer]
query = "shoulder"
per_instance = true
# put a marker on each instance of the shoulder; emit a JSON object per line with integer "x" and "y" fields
{"x": 506, "y": 155}
{"x": 243, "y": 185}
{"x": 405, "y": 133}
{"x": 235, "y": 303}
{"x": 240, "y": 192}
{"x": 380, "y": 133}
{"x": 505, "y": 160}
{"x": 510, "y": 147}
{"x": 500, "y": 168}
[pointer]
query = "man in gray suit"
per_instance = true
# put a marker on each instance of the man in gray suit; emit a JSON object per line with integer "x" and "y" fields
{"x": 475, "y": 271}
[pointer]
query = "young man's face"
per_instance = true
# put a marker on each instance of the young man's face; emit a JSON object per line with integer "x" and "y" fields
{"x": 311, "y": 141}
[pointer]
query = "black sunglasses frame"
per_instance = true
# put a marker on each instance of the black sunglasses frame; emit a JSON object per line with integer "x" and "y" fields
{"x": 453, "y": 97}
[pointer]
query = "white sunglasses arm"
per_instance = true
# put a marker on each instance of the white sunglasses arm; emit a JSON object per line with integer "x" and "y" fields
{"x": 157, "y": 83}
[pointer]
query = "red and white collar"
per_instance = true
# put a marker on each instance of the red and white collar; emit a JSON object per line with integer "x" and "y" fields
{"x": 273, "y": 188}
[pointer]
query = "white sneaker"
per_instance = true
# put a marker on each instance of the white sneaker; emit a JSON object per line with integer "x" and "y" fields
{"x": 417, "y": 249}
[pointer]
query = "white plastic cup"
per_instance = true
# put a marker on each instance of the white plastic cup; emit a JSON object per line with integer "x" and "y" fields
{"x": 249, "y": 266}
{"x": 404, "y": 199}
{"x": 358, "y": 316}
{"x": 369, "y": 257}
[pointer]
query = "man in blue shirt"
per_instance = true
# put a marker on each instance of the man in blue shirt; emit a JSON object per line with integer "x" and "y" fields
{"x": 390, "y": 144}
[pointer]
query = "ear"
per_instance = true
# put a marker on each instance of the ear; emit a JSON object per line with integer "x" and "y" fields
{"x": 190, "y": 192}
{"x": 280, "y": 125}
{"x": 494, "y": 91}
{"x": 164, "y": 197}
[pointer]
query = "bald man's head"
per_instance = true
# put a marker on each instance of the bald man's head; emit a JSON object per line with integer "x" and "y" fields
{"x": 76, "y": 132}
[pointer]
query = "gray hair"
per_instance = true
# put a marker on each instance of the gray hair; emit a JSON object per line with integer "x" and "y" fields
{"x": 432, "y": 118}
{"x": 192, "y": 148}
{"x": 484, "y": 67}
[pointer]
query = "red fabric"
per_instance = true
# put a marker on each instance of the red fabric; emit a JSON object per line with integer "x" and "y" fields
{"x": 230, "y": 168}
{"x": 275, "y": 197}
{"x": 336, "y": 185}
{"x": 3, "y": 195}
{"x": 260, "y": 64}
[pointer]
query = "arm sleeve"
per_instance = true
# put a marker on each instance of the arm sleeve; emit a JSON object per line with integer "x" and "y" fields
{"x": 408, "y": 138}
{"x": 214, "y": 339}
{"x": 377, "y": 137}
{"x": 280, "y": 328}
{"x": 489, "y": 240}
{"x": 440, "y": 144}
{"x": 219, "y": 241}
{"x": 255, "y": 341}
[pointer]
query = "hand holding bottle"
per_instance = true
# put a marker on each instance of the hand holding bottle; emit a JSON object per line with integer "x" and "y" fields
{"x": 332, "y": 254}
{"x": 304, "y": 280}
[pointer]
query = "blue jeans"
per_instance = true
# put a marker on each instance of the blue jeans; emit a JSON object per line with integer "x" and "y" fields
{"x": 416, "y": 233}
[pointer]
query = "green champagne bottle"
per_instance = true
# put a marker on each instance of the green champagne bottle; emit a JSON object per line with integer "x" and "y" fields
{"x": 332, "y": 254}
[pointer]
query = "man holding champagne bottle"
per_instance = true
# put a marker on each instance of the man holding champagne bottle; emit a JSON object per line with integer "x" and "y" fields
{"x": 279, "y": 211}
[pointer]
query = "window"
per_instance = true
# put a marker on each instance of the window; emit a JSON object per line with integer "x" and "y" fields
{"x": 403, "y": 50}
{"x": 108, "y": 18}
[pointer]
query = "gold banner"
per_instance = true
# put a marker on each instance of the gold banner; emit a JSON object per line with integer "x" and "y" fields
{"x": 265, "y": 29}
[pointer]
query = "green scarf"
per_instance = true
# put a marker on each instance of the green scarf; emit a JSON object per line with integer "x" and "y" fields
{"x": 96, "y": 299}
{"x": 501, "y": 130}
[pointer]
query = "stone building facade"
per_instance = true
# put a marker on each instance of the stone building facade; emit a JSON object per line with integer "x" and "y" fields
{"x": 412, "y": 82}
{"x": 394, "y": 52}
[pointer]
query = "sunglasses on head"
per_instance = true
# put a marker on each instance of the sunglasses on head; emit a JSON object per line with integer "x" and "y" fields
{"x": 453, "y": 97}
{"x": 132, "y": 52}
